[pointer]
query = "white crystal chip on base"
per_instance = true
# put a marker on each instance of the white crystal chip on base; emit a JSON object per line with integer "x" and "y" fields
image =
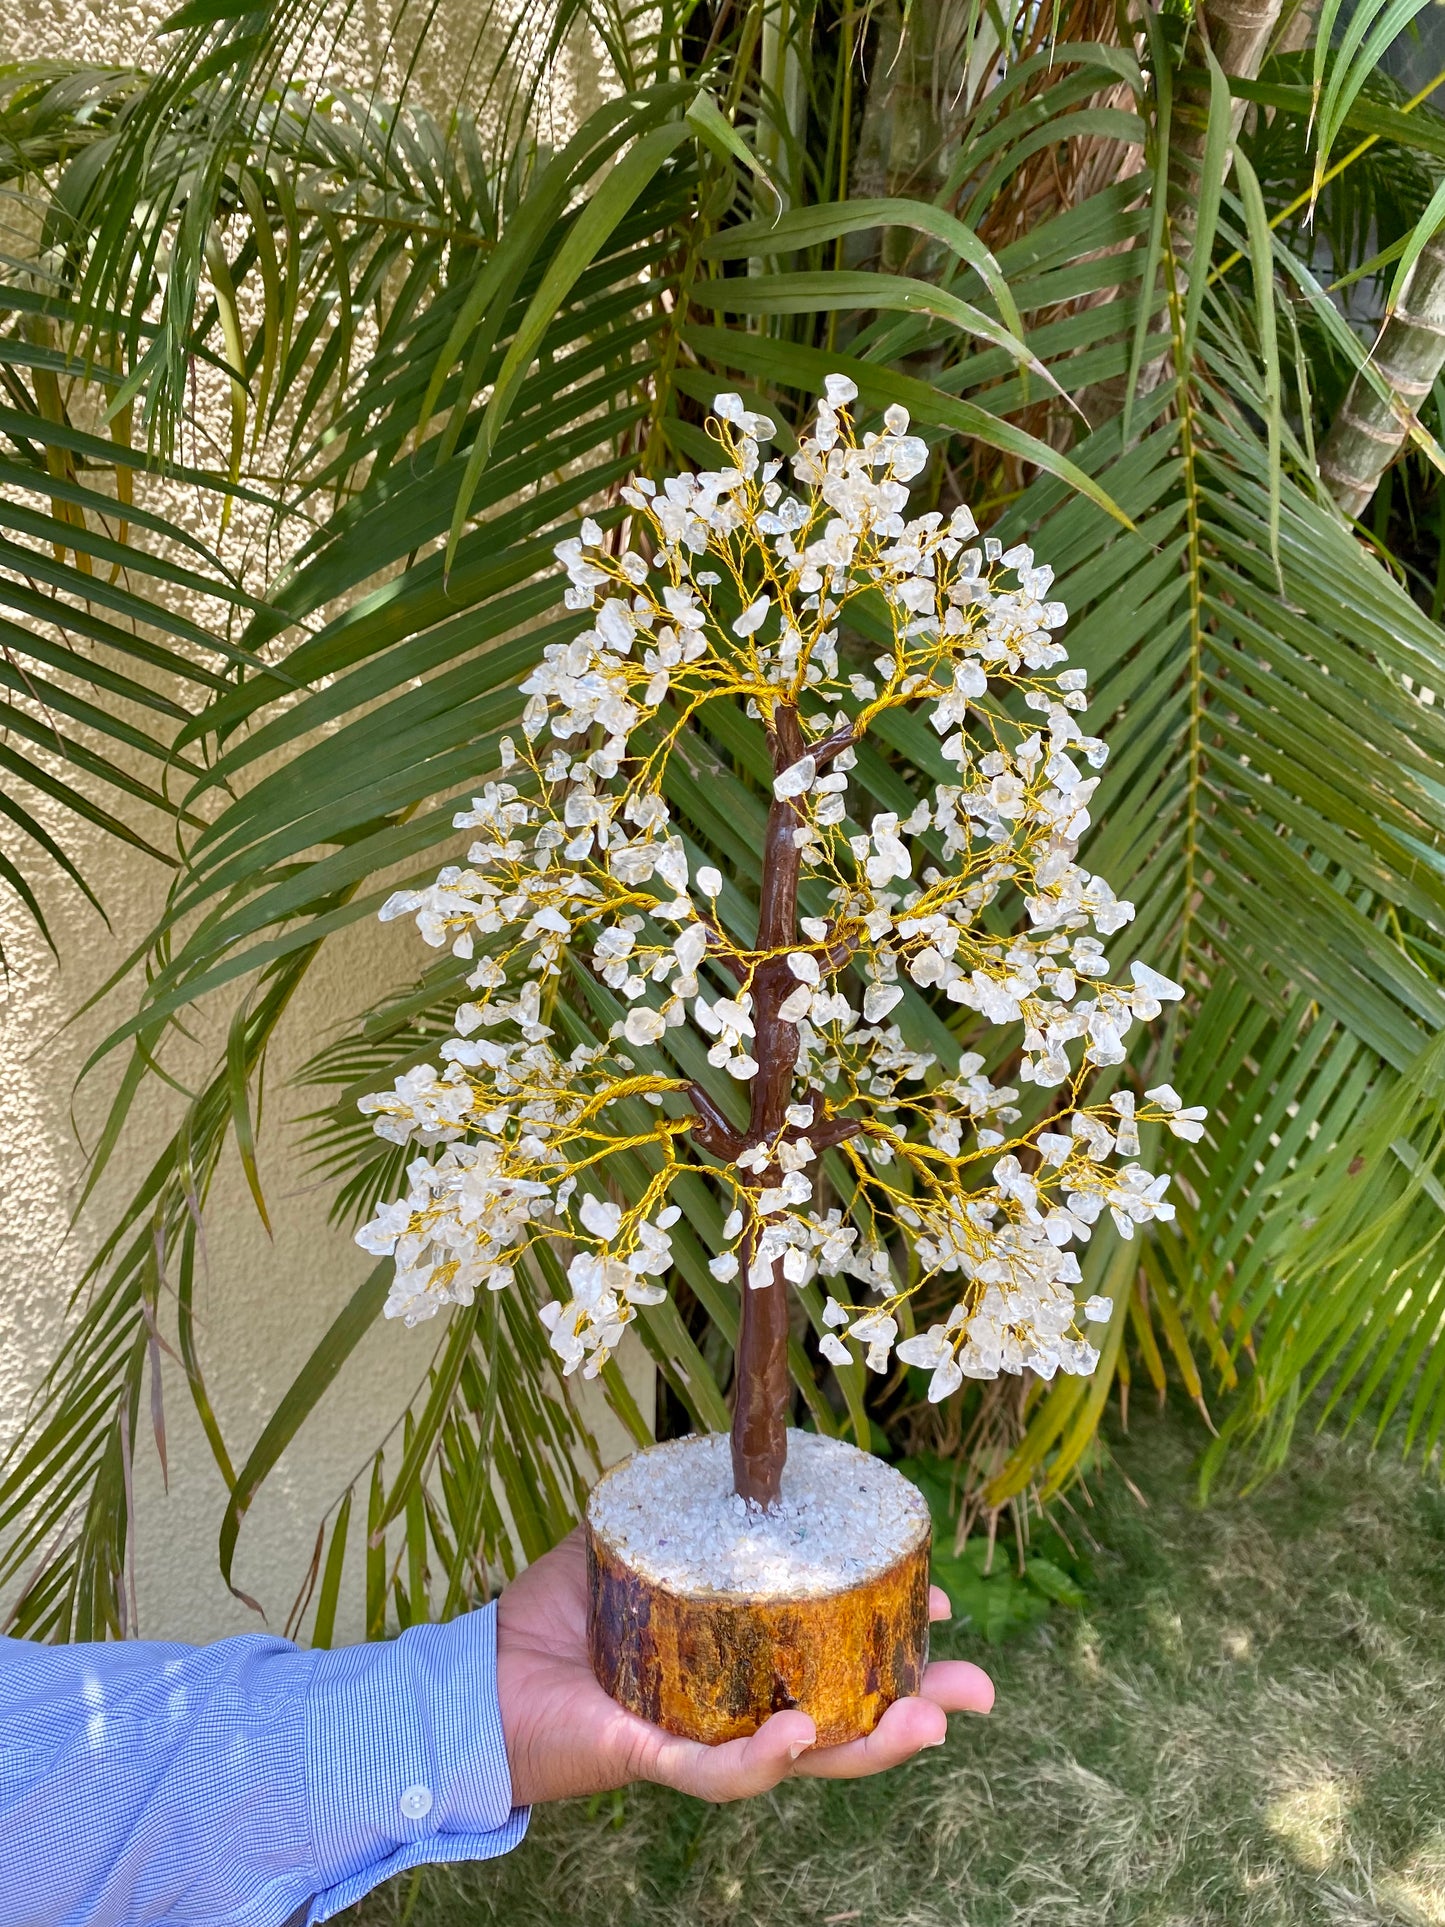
{"x": 672, "y": 1515}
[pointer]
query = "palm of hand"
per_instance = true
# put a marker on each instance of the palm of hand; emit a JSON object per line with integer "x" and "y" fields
{"x": 565, "y": 1736}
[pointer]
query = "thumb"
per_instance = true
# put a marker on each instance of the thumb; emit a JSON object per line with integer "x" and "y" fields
{"x": 737, "y": 1768}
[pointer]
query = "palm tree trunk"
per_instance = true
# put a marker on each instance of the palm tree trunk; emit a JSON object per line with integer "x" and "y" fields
{"x": 917, "y": 98}
{"x": 1240, "y": 33}
{"x": 1370, "y": 430}
{"x": 1299, "y": 28}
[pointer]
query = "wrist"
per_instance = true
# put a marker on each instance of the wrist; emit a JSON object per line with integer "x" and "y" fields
{"x": 511, "y": 1704}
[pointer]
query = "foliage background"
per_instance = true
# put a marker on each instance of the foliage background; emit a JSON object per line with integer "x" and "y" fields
{"x": 1248, "y": 649}
{"x": 260, "y": 1287}
{"x": 1238, "y": 1730}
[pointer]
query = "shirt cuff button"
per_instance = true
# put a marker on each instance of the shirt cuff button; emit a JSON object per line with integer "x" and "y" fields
{"x": 416, "y": 1802}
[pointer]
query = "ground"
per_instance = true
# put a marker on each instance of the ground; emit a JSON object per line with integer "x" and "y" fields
{"x": 1243, "y": 1726}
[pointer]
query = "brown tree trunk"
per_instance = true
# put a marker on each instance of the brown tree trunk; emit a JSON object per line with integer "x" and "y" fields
{"x": 760, "y": 1409}
{"x": 760, "y": 1413}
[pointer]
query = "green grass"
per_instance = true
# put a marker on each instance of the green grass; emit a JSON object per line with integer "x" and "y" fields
{"x": 1245, "y": 1725}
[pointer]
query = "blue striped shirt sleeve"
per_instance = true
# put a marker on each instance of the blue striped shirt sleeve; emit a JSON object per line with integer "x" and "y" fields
{"x": 234, "y": 1785}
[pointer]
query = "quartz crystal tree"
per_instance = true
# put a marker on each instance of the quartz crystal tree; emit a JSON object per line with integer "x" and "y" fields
{"x": 736, "y": 587}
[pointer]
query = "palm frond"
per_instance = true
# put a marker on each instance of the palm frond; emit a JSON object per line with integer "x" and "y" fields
{"x": 533, "y": 332}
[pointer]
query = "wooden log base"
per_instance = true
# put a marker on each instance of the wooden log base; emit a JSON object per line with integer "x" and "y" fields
{"x": 713, "y": 1664}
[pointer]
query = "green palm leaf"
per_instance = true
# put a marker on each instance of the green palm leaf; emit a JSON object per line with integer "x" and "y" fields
{"x": 539, "y": 332}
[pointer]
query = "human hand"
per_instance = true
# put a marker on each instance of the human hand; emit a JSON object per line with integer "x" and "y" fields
{"x": 565, "y": 1736}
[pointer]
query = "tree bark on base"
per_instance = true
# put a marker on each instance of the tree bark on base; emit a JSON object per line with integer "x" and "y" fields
{"x": 714, "y": 1666}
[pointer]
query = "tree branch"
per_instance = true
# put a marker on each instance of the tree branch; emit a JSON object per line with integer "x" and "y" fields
{"x": 711, "y": 1127}
{"x": 721, "y": 948}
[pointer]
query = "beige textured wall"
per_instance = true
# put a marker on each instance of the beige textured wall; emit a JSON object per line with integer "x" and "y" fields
{"x": 263, "y": 1303}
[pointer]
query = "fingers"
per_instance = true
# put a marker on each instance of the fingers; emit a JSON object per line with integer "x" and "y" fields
{"x": 909, "y": 1725}
{"x": 957, "y": 1686}
{"x": 737, "y": 1768}
{"x": 940, "y": 1606}
{"x": 904, "y": 1729}
{"x": 783, "y": 1745}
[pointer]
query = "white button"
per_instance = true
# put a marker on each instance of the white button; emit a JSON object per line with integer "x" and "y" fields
{"x": 416, "y": 1802}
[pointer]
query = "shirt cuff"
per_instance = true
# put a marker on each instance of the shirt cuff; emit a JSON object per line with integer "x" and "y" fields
{"x": 405, "y": 1758}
